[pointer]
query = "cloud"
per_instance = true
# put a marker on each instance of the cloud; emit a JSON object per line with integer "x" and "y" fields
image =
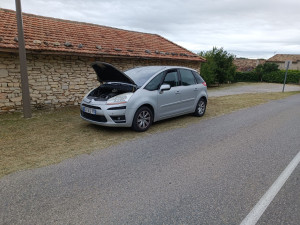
{"x": 258, "y": 27}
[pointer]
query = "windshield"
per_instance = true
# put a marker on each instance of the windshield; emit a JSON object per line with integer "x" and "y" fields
{"x": 141, "y": 74}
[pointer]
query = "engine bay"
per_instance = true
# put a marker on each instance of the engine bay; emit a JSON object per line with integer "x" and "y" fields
{"x": 109, "y": 90}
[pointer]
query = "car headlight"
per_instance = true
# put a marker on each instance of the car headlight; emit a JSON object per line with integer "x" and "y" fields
{"x": 119, "y": 99}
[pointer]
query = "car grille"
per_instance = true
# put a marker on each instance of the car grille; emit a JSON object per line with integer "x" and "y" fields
{"x": 92, "y": 117}
{"x": 91, "y": 106}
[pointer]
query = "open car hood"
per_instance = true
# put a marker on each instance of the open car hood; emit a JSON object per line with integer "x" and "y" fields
{"x": 108, "y": 73}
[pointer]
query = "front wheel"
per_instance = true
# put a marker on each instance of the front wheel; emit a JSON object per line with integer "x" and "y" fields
{"x": 200, "y": 108}
{"x": 143, "y": 119}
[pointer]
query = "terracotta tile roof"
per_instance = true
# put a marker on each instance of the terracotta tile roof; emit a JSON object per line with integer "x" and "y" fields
{"x": 284, "y": 57}
{"x": 63, "y": 36}
{"x": 244, "y": 65}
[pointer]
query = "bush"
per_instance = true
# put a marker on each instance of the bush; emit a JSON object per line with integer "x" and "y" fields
{"x": 219, "y": 67}
{"x": 246, "y": 77}
{"x": 293, "y": 76}
{"x": 262, "y": 69}
{"x": 208, "y": 71}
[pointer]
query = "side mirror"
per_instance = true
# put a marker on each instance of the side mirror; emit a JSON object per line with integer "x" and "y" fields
{"x": 164, "y": 87}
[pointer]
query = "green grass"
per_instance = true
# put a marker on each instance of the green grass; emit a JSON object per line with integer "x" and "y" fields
{"x": 52, "y": 136}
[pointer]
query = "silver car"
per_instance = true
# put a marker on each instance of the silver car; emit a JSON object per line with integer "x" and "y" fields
{"x": 138, "y": 97}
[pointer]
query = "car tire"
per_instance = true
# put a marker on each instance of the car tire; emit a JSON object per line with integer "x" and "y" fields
{"x": 143, "y": 119}
{"x": 200, "y": 107}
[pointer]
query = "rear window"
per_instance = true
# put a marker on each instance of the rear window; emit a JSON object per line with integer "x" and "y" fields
{"x": 198, "y": 78}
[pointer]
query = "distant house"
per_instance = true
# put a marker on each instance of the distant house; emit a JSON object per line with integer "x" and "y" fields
{"x": 280, "y": 59}
{"x": 59, "y": 54}
{"x": 245, "y": 65}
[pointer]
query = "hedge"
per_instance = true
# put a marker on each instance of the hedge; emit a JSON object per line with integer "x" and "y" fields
{"x": 293, "y": 77}
{"x": 246, "y": 77}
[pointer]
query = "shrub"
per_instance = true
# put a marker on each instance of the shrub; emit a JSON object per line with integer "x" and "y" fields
{"x": 246, "y": 77}
{"x": 219, "y": 67}
{"x": 262, "y": 69}
{"x": 293, "y": 76}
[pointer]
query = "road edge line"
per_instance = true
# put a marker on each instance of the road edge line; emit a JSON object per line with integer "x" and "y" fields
{"x": 267, "y": 198}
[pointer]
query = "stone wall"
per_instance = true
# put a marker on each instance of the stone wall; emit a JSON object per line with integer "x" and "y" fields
{"x": 57, "y": 81}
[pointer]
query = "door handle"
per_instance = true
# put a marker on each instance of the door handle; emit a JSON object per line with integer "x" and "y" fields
{"x": 177, "y": 92}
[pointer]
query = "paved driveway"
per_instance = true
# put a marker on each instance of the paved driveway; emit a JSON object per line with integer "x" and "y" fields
{"x": 242, "y": 88}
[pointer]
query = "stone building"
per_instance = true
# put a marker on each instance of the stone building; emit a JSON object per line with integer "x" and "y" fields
{"x": 280, "y": 60}
{"x": 59, "y": 54}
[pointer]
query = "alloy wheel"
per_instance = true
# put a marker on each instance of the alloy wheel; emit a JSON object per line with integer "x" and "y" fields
{"x": 143, "y": 119}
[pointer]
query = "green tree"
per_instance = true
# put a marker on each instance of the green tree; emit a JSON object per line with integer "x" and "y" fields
{"x": 259, "y": 71}
{"x": 219, "y": 67}
{"x": 265, "y": 68}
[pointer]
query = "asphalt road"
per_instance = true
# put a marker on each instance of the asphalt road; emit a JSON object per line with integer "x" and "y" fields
{"x": 212, "y": 172}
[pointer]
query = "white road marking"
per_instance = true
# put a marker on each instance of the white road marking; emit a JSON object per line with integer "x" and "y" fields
{"x": 267, "y": 198}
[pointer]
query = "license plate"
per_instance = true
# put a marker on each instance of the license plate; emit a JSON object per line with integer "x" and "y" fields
{"x": 89, "y": 110}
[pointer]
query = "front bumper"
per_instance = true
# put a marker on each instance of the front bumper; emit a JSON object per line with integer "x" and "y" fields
{"x": 107, "y": 115}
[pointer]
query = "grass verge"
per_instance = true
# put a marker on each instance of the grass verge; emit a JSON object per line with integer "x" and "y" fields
{"x": 50, "y": 137}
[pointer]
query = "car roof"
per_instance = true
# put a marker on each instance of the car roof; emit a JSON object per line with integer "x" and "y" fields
{"x": 162, "y": 68}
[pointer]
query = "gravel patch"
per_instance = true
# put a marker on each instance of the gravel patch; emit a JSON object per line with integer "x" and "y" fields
{"x": 251, "y": 88}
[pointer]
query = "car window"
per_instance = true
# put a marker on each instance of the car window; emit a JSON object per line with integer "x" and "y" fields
{"x": 198, "y": 77}
{"x": 187, "y": 77}
{"x": 154, "y": 83}
{"x": 171, "y": 78}
{"x": 140, "y": 75}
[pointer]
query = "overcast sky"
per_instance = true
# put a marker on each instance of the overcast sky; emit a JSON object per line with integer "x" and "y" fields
{"x": 250, "y": 29}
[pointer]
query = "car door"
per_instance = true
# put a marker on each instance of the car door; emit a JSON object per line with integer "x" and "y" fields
{"x": 168, "y": 101}
{"x": 189, "y": 90}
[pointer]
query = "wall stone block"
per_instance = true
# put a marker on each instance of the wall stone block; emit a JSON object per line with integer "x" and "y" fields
{"x": 3, "y": 72}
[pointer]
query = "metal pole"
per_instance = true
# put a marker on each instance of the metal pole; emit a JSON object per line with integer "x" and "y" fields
{"x": 23, "y": 65}
{"x": 288, "y": 64}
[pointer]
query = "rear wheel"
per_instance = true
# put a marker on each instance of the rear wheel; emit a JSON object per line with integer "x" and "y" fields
{"x": 143, "y": 119}
{"x": 200, "y": 108}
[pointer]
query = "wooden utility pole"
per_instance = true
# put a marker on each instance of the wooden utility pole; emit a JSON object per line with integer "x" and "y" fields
{"x": 23, "y": 64}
